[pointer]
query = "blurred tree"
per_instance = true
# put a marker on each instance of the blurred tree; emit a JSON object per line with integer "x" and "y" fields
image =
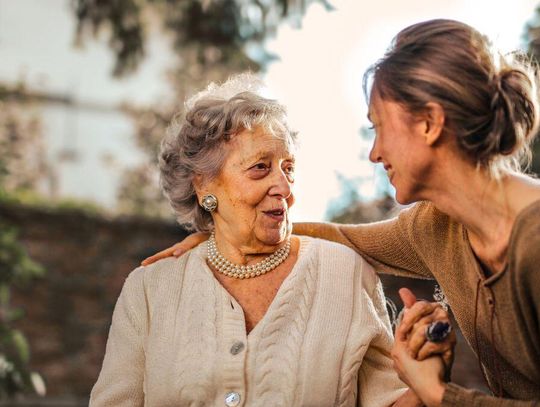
{"x": 216, "y": 31}
{"x": 212, "y": 40}
{"x": 23, "y": 165}
{"x": 351, "y": 207}
{"x": 364, "y": 212}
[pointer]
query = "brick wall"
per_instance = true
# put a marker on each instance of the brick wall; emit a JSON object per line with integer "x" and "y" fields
{"x": 68, "y": 312}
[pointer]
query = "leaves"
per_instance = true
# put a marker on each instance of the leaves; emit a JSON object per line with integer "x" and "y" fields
{"x": 224, "y": 25}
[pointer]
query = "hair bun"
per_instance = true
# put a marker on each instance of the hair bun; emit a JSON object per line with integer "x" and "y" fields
{"x": 514, "y": 115}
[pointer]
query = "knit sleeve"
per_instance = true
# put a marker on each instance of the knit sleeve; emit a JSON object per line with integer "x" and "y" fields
{"x": 390, "y": 246}
{"x": 378, "y": 383}
{"x": 120, "y": 382}
{"x": 457, "y": 396}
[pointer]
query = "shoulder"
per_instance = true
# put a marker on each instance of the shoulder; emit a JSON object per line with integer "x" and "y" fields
{"x": 524, "y": 245}
{"x": 327, "y": 247}
{"x": 341, "y": 259}
{"x": 425, "y": 217}
{"x": 332, "y": 251}
{"x": 527, "y": 225}
{"x": 165, "y": 273}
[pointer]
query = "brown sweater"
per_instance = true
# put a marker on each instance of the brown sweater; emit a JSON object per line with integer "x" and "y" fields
{"x": 499, "y": 314}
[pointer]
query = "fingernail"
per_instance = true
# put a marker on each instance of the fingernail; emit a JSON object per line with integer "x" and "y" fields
{"x": 177, "y": 253}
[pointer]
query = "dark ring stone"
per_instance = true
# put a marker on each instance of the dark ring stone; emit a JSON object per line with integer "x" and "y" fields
{"x": 438, "y": 331}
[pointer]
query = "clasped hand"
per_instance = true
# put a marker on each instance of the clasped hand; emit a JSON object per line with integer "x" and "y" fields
{"x": 423, "y": 365}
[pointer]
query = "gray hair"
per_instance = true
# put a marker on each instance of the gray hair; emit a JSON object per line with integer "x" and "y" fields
{"x": 195, "y": 139}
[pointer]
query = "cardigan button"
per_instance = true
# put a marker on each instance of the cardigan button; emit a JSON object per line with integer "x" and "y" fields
{"x": 232, "y": 399}
{"x": 237, "y": 348}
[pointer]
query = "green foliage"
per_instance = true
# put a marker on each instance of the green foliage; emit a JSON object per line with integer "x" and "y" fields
{"x": 15, "y": 268}
{"x": 222, "y": 26}
{"x": 32, "y": 198}
{"x": 15, "y": 265}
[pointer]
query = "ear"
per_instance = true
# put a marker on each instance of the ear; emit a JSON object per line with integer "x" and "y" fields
{"x": 434, "y": 119}
{"x": 199, "y": 185}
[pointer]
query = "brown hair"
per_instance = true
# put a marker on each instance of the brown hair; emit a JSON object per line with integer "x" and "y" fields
{"x": 490, "y": 101}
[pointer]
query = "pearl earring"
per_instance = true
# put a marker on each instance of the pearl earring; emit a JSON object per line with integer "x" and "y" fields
{"x": 209, "y": 203}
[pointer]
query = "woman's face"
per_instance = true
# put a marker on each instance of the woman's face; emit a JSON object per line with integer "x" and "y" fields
{"x": 254, "y": 190}
{"x": 400, "y": 145}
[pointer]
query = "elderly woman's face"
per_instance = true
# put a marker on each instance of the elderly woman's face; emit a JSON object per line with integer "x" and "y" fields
{"x": 254, "y": 189}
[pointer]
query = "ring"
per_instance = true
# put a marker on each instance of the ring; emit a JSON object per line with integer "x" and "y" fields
{"x": 438, "y": 331}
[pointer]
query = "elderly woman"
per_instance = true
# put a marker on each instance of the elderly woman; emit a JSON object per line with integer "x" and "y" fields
{"x": 255, "y": 316}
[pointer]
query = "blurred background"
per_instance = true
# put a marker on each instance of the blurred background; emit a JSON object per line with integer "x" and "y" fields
{"x": 87, "y": 88}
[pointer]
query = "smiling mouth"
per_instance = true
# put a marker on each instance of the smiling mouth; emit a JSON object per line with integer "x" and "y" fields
{"x": 276, "y": 214}
{"x": 389, "y": 171}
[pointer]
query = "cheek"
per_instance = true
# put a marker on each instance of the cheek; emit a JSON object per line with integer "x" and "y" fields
{"x": 243, "y": 196}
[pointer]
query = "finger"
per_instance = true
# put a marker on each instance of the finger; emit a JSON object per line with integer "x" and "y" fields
{"x": 398, "y": 348}
{"x": 417, "y": 337}
{"x": 182, "y": 247}
{"x": 439, "y": 314}
{"x": 448, "y": 358}
{"x": 431, "y": 348}
{"x": 407, "y": 296}
{"x": 189, "y": 243}
{"x": 412, "y": 315}
{"x": 158, "y": 256}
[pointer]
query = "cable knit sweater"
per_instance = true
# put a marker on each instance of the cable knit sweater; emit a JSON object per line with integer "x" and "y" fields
{"x": 178, "y": 338}
{"x": 499, "y": 314}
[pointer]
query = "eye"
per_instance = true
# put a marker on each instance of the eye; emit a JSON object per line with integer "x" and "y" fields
{"x": 289, "y": 169}
{"x": 258, "y": 170}
{"x": 260, "y": 166}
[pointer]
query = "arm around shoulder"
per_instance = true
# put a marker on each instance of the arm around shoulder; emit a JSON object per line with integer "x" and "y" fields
{"x": 389, "y": 245}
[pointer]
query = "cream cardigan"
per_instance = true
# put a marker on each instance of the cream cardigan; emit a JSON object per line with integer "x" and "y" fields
{"x": 178, "y": 338}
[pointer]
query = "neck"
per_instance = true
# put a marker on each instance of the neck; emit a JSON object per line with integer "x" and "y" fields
{"x": 485, "y": 206}
{"x": 474, "y": 199}
{"x": 247, "y": 252}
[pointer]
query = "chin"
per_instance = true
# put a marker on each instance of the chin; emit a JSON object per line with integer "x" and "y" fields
{"x": 402, "y": 200}
{"x": 276, "y": 236}
{"x": 405, "y": 197}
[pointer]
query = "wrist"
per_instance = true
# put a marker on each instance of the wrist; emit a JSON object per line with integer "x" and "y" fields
{"x": 434, "y": 396}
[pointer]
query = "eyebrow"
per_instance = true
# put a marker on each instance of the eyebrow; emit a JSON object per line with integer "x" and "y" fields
{"x": 255, "y": 157}
{"x": 263, "y": 156}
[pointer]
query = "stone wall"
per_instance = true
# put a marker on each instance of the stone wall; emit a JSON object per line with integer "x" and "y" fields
{"x": 87, "y": 258}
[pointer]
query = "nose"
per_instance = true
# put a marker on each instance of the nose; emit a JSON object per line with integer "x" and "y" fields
{"x": 374, "y": 154}
{"x": 281, "y": 185}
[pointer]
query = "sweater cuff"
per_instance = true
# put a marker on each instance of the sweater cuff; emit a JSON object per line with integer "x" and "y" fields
{"x": 455, "y": 395}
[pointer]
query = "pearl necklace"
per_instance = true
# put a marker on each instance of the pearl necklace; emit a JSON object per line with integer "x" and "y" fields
{"x": 224, "y": 266}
